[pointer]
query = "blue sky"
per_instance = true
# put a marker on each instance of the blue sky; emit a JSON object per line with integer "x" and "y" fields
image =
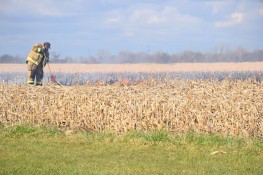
{"x": 84, "y": 27}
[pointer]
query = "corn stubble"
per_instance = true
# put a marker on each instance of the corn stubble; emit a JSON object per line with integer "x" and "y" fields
{"x": 201, "y": 106}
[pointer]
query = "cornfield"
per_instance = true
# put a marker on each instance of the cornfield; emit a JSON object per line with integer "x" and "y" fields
{"x": 225, "y": 107}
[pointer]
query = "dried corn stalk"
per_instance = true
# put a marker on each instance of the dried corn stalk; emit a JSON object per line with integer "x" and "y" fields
{"x": 202, "y": 106}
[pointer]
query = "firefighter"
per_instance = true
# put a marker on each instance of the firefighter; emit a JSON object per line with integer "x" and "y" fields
{"x": 36, "y": 61}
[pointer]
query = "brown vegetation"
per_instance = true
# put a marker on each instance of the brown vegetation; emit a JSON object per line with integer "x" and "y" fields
{"x": 202, "y": 106}
{"x": 70, "y": 68}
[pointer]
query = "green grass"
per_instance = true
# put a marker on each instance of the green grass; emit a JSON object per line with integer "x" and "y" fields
{"x": 39, "y": 150}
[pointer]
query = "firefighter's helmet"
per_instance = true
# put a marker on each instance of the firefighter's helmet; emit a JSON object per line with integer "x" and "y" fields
{"x": 47, "y": 44}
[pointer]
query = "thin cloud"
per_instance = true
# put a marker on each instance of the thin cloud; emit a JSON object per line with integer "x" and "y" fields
{"x": 148, "y": 21}
{"x": 168, "y": 16}
{"x": 155, "y": 20}
{"x": 234, "y": 19}
{"x": 113, "y": 18}
{"x": 31, "y": 7}
{"x": 218, "y": 6}
{"x": 261, "y": 11}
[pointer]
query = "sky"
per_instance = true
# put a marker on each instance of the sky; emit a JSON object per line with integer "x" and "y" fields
{"x": 84, "y": 27}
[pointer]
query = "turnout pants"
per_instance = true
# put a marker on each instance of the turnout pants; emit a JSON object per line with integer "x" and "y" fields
{"x": 35, "y": 74}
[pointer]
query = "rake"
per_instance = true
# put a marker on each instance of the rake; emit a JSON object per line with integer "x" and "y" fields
{"x": 53, "y": 77}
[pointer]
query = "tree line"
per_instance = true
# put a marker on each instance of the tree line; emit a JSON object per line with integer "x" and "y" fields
{"x": 125, "y": 56}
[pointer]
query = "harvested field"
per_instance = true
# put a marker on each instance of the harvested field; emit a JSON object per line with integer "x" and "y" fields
{"x": 180, "y": 67}
{"x": 222, "y": 98}
{"x": 202, "y": 106}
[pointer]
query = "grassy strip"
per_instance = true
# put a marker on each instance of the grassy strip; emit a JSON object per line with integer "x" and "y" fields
{"x": 39, "y": 150}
